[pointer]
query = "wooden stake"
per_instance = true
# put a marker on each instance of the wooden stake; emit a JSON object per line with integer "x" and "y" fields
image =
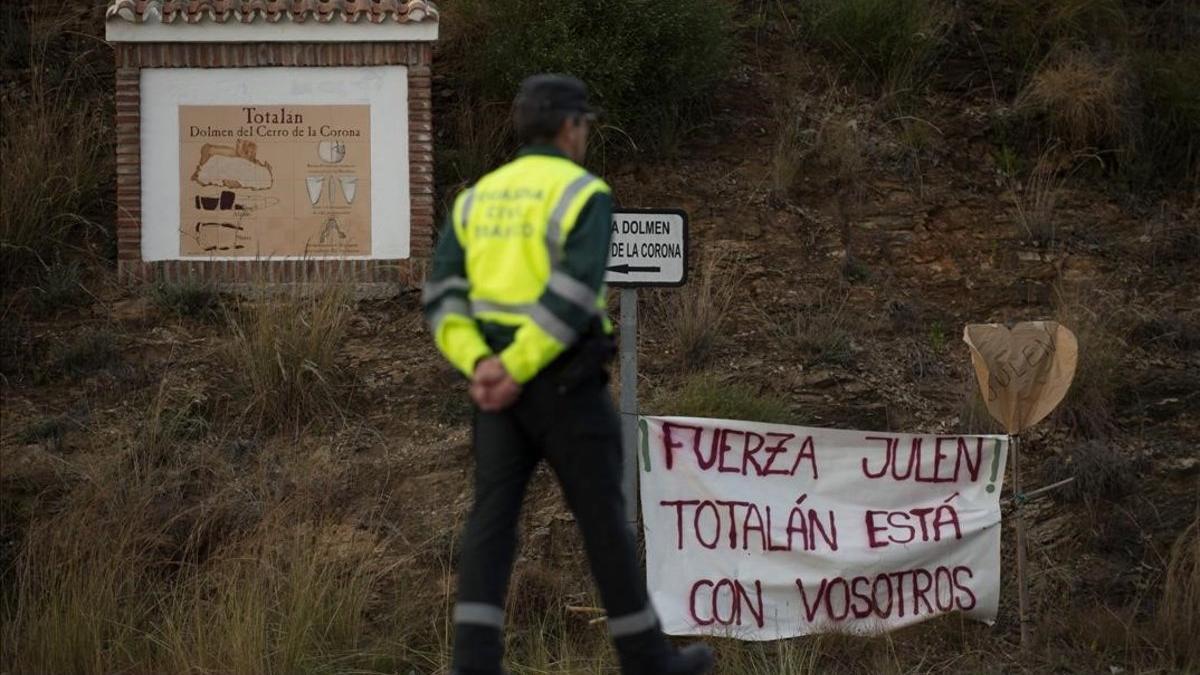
{"x": 1019, "y": 517}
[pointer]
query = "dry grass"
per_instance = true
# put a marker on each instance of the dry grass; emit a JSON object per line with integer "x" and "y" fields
{"x": 692, "y": 319}
{"x": 289, "y": 596}
{"x": 79, "y": 595}
{"x": 1100, "y": 326}
{"x": 1035, "y": 201}
{"x": 821, "y": 331}
{"x": 1179, "y": 612}
{"x": 56, "y": 149}
{"x": 284, "y": 351}
{"x": 176, "y": 414}
{"x": 830, "y": 148}
{"x": 1085, "y": 100}
{"x": 793, "y": 144}
{"x": 973, "y": 415}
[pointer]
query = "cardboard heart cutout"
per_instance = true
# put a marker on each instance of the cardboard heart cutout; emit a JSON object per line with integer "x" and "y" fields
{"x": 1023, "y": 373}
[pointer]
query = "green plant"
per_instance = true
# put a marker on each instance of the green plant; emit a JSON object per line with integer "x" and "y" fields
{"x": 1007, "y": 161}
{"x": 890, "y": 43}
{"x": 1168, "y": 142}
{"x": 59, "y": 286}
{"x": 192, "y": 297}
{"x": 91, "y": 350}
{"x": 661, "y": 50}
{"x": 175, "y": 414}
{"x": 284, "y": 350}
{"x": 1026, "y": 31}
{"x": 51, "y": 429}
{"x": 855, "y": 270}
{"x": 704, "y": 395}
{"x": 937, "y": 336}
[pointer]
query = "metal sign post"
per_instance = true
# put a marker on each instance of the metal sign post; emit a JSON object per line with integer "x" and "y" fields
{"x": 629, "y": 402}
{"x": 649, "y": 248}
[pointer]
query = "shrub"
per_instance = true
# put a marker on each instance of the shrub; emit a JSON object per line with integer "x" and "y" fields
{"x": 1085, "y": 101}
{"x": 1103, "y": 472}
{"x": 820, "y": 331}
{"x": 55, "y": 145}
{"x": 284, "y": 347}
{"x": 1027, "y": 30}
{"x": 90, "y": 351}
{"x": 59, "y": 286}
{"x": 1168, "y": 142}
{"x": 1170, "y": 329}
{"x": 633, "y": 56}
{"x": 192, "y": 297}
{"x": 481, "y": 133}
{"x": 51, "y": 430}
{"x": 703, "y": 395}
{"x": 890, "y": 43}
{"x": 20, "y": 352}
{"x": 832, "y": 147}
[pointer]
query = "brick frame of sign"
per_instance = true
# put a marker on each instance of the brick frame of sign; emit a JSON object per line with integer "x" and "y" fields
{"x": 156, "y": 40}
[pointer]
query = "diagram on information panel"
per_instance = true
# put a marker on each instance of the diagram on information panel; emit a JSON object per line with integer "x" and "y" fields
{"x": 275, "y": 189}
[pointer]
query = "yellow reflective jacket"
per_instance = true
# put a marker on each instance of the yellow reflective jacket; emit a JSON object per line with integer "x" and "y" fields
{"x": 519, "y": 267}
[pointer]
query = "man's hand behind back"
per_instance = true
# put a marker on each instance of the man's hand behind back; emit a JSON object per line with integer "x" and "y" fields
{"x": 492, "y": 388}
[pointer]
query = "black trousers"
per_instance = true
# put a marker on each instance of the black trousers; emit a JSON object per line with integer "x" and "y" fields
{"x": 573, "y": 426}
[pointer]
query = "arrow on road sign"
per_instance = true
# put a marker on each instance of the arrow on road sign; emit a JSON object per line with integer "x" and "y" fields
{"x": 626, "y": 269}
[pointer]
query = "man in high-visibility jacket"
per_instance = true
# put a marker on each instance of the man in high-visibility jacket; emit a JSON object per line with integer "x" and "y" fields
{"x": 515, "y": 302}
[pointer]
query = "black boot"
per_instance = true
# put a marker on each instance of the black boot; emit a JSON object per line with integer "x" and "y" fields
{"x": 694, "y": 659}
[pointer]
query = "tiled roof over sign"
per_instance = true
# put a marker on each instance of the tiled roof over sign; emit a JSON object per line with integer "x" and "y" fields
{"x": 272, "y": 11}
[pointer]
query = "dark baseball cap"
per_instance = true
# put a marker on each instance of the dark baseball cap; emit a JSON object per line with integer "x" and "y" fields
{"x": 553, "y": 92}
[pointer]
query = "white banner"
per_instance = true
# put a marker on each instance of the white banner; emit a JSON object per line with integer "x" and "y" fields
{"x": 764, "y": 531}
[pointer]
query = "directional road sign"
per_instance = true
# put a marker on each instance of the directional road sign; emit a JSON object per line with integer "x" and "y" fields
{"x": 649, "y": 248}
